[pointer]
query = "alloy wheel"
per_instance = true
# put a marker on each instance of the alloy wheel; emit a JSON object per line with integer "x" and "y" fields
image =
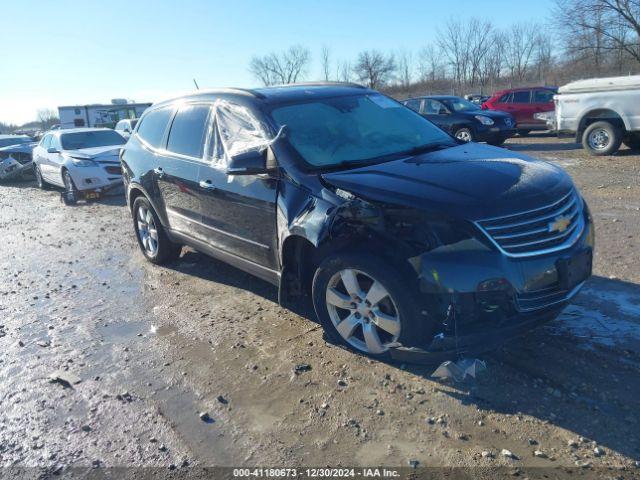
{"x": 599, "y": 139}
{"x": 147, "y": 231}
{"x": 463, "y": 135}
{"x": 362, "y": 311}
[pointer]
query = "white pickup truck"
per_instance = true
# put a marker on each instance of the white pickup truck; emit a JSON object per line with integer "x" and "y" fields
{"x": 602, "y": 112}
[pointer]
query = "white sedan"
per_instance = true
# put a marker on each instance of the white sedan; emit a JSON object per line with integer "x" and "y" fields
{"x": 84, "y": 161}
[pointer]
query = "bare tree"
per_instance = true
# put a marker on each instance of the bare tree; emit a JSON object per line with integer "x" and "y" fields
{"x": 452, "y": 43}
{"x": 430, "y": 64}
{"x": 543, "y": 54}
{"x": 615, "y": 23}
{"x": 285, "y": 67}
{"x": 480, "y": 42}
{"x": 343, "y": 71}
{"x": 490, "y": 69}
{"x": 405, "y": 68}
{"x": 325, "y": 59}
{"x": 47, "y": 117}
{"x": 374, "y": 68}
{"x": 519, "y": 49}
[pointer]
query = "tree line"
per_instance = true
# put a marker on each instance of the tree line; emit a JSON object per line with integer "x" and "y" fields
{"x": 580, "y": 39}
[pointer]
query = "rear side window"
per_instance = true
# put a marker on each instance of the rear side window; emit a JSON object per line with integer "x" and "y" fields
{"x": 153, "y": 125}
{"x": 187, "y": 131}
{"x": 521, "y": 97}
{"x": 413, "y": 105}
{"x": 542, "y": 96}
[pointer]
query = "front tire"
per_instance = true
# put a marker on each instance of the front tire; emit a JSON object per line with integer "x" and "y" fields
{"x": 602, "y": 138}
{"x": 70, "y": 194}
{"x": 368, "y": 304}
{"x": 152, "y": 238}
{"x": 464, "y": 135}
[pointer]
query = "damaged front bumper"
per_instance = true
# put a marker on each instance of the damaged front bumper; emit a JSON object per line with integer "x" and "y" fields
{"x": 98, "y": 179}
{"x": 479, "y": 299}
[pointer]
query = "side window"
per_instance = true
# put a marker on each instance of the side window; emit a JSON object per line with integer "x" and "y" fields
{"x": 55, "y": 142}
{"x": 187, "y": 130}
{"x": 506, "y": 98}
{"x": 152, "y": 127}
{"x": 46, "y": 142}
{"x": 543, "y": 96}
{"x": 521, "y": 97}
{"x": 433, "y": 107}
{"x": 413, "y": 104}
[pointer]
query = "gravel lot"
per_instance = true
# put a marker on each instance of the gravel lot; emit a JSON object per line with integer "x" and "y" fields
{"x": 154, "y": 347}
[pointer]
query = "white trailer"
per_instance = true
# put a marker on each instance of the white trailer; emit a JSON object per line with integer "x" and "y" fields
{"x": 99, "y": 115}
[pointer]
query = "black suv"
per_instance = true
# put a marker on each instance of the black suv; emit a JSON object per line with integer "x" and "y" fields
{"x": 407, "y": 240}
{"x": 465, "y": 120}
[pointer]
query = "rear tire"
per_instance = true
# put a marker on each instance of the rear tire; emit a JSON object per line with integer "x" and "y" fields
{"x": 152, "y": 238}
{"x": 42, "y": 185}
{"x": 602, "y": 138}
{"x": 342, "y": 286}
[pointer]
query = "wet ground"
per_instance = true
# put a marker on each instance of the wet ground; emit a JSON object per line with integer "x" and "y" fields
{"x": 155, "y": 347}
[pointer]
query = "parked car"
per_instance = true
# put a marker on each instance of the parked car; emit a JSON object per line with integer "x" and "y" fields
{"x": 16, "y": 156}
{"x": 603, "y": 113}
{"x": 523, "y": 104}
{"x": 464, "y": 120}
{"x": 477, "y": 98}
{"x": 126, "y": 126}
{"x": 85, "y": 161}
{"x": 408, "y": 242}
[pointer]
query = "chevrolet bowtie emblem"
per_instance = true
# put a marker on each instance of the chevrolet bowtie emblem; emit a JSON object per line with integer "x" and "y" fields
{"x": 560, "y": 224}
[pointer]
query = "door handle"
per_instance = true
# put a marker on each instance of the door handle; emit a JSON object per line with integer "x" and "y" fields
{"x": 207, "y": 185}
{"x": 159, "y": 171}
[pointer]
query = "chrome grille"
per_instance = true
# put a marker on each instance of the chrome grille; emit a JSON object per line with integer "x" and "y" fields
{"x": 543, "y": 298}
{"x": 541, "y": 230}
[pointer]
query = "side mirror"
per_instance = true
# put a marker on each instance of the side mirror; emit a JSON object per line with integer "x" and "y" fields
{"x": 53, "y": 150}
{"x": 254, "y": 162}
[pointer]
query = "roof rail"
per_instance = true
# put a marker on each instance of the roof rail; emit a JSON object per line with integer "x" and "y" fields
{"x": 319, "y": 84}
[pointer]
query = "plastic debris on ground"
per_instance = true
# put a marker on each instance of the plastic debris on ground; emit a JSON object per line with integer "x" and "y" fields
{"x": 460, "y": 369}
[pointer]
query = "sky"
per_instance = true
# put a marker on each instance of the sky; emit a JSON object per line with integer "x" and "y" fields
{"x": 68, "y": 52}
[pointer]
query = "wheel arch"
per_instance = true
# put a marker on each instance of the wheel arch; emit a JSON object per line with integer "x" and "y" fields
{"x": 136, "y": 190}
{"x": 600, "y": 114}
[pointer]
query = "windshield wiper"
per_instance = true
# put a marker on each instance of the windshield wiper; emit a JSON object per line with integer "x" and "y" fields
{"x": 428, "y": 147}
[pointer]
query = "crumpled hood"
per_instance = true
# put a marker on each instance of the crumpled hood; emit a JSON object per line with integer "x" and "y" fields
{"x": 470, "y": 181}
{"x": 96, "y": 153}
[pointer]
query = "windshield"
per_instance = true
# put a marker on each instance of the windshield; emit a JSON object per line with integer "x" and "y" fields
{"x": 330, "y": 132}
{"x": 5, "y": 142}
{"x": 99, "y": 138}
{"x": 461, "y": 105}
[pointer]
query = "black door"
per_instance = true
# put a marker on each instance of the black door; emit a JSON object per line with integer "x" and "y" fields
{"x": 239, "y": 211}
{"x": 436, "y": 112}
{"x": 178, "y": 170}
